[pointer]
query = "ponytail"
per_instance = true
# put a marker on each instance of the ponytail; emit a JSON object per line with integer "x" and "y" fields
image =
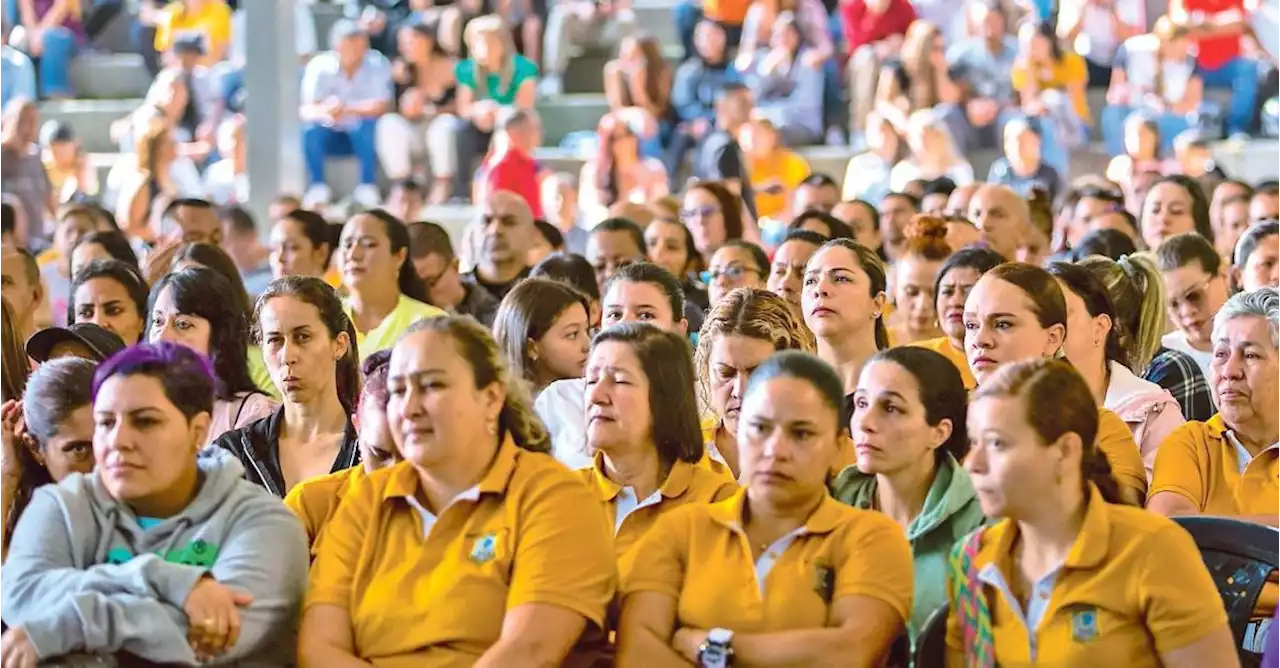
{"x": 1095, "y": 469}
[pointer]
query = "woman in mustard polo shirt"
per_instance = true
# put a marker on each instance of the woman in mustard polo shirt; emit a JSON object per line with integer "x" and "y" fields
{"x": 951, "y": 288}
{"x": 384, "y": 293}
{"x": 475, "y": 550}
{"x": 1017, "y": 312}
{"x": 315, "y": 500}
{"x": 739, "y": 334}
{"x": 844, "y": 304}
{"x": 642, "y": 425}
{"x": 1230, "y": 464}
{"x": 780, "y": 573}
{"x": 1067, "y": 577}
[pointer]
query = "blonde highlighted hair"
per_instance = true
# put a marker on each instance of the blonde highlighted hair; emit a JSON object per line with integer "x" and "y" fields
{"x": 492, "y": 24}
{"x": 753, "y": 313}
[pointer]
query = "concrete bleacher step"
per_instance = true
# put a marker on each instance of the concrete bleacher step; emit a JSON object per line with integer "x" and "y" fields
{"x": 586, "y": 72}
{"x": 570, "y": 113}
{"x": 91, "y": 118}
{"x": 109, "y": 76}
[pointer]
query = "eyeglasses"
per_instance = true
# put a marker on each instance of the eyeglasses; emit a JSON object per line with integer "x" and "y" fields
{"x": 732, "y": 272}
{"x": 1193, "y": 296}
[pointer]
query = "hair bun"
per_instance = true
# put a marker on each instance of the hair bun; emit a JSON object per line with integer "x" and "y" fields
{"x": 928, "y": 227}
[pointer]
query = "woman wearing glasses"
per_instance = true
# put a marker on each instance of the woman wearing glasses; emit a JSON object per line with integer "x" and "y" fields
{"x": 384, "y": 293}
{"x": 1195, "y": 280}
{"x": 713, "y": 214}
{"x": 736, "y": 264}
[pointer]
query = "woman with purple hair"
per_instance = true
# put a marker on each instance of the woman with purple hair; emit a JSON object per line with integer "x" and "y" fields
{"x": 158, "y": 553}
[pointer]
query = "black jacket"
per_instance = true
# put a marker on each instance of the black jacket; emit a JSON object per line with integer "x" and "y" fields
{"x": 258, "y": 447}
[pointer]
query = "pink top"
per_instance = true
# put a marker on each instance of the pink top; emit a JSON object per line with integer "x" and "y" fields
{"x": 250, "y": 407}
{"x": 1149, "y": 410}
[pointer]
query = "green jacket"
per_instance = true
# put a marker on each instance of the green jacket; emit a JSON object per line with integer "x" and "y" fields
{"x": 950, "y": 512}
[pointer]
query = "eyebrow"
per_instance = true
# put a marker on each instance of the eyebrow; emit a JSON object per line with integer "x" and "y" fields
{"x": 832, "y": 270}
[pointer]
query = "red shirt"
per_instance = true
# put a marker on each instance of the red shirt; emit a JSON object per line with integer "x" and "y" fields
{"x": 863, "y": 27}
{"x": 518, "y": 173}
{"x": 1216, "y": 51}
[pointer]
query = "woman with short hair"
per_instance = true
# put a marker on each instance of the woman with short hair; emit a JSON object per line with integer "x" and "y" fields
{"x": 167, "y": 556}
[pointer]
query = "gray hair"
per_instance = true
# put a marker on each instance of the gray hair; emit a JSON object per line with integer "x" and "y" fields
{"x": 1263, "y": 303}
{"x": 54, "y": 391}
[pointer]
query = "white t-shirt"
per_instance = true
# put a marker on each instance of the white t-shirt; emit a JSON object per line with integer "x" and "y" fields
{"x": 1098, "y": 40}
{"x": 562, "y": 408}
{"x": 1137, "y": 57}
{"x": 1176, "y": 340}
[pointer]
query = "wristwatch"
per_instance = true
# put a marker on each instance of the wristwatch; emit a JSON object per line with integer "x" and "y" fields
{"x": 717, "y": 650}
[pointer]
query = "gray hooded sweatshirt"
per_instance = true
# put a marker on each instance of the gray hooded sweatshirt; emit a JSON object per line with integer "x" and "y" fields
{"x": 84, "y": 574}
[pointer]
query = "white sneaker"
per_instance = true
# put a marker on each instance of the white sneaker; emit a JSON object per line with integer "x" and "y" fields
{"x": 550, "y": 86}
{"x": 367, "y": 196}
{"x": 316, "y": 196}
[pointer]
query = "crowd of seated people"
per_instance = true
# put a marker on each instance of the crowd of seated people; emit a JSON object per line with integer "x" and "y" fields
{"x": 816, "y": 412}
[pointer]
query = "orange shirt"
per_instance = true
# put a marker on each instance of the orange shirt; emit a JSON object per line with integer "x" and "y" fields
{"x": 943, "y": 346}
{"x": 733, "y": 12}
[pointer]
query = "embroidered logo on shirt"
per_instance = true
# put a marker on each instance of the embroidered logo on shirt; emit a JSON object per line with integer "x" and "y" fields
{"x": 824, "y": 580}
{"x": 485, "y": 548}
{"x": 1084, "y": 625}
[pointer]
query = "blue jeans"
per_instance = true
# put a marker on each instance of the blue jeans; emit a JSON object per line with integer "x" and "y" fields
{"x": 1241, "y": 76}
{"x": 54, "y": 64}
{"x": 320, "y": 142}
{"x": 1114, "y": 117}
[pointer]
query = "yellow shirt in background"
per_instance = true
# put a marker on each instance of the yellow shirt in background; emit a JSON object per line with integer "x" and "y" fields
{"x": 1071, "y": 70}
{"x": 699, "y": 555}
{"x": 1200, "y": 463}
{"x": 314, "y": 501}
{"x": 213, "y": 20}
{"x": 431, "y": 590}
{"x": 392, "y": 327}
{"x": 774, "y": 180}
{"x": 942, "y": 345}
{"x": 1115, "y": 440}
{"x": 259, "y": 374}
{"x": 1132, "y": 587}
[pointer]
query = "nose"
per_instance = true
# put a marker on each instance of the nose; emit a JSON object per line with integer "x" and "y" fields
{"x": 597, "y": 395}
{"x": 976, "y": 461}
{"x": 739, "y": 384}
{"x": 776, "y": 446}
{"x": 982, "y": 337}
{"x": 288, "y": 353}
{"x": 1233, "y": 367}
{"x": 862, "y": 421}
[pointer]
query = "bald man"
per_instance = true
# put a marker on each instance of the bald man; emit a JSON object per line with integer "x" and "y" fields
{"x": 1003, "y": 218}
{"x": 506, "y": 232}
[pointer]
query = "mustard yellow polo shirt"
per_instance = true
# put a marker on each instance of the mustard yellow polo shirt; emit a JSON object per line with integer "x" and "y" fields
{"x": 314, "y": 501}
{"x": 1133, "y": 586}
{"x": 424, "y": 590}
{"x": 943, "y": 346}
{"x": 1200, "y": 463}
{"x": 699, "y": 555}
{"x": 392, "y": 327}
{"x": 632, "y": 518}
{"x": 1116, "y": 442}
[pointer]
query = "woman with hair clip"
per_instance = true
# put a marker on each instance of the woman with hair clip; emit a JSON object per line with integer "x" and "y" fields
{"x": 111, "y": 295}
{"x": 844, "y": 304}
{"x": 910, "y": 436}
{"x": 1101, "y": 349}
{"x": 1137, "y": 291}
{"x": 1054, "y": 581}
{"x": 161, "y": 554}
{"x": 915, "y": 317}
{"x": 739, "y": 334}
{"x": 190, "y": 307}
{"x": 300, "y": 246}
{"x": 618, "y": 172}
{"x": 642, "y": 428}
{"x": 951, "y": 286}
{"x": 314, "y": 501}
{"x": 477, "y": 512}
{"x": 46, "y": 434}
{"x": 543, "y": 328}
{"x": 384, "y": 292}
{"x": 779, "y": 573}
{"x": 309, "y": 345}
{"x": 214, "y": 258}
{"x": 1017, "y": 312}
{"x": 713, "y": 214}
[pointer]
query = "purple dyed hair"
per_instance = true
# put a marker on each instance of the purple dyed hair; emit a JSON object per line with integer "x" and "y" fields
{"x": 186, "y": 375}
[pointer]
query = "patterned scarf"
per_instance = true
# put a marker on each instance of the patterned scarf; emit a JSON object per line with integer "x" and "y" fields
{"x": 970, "y": 603}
